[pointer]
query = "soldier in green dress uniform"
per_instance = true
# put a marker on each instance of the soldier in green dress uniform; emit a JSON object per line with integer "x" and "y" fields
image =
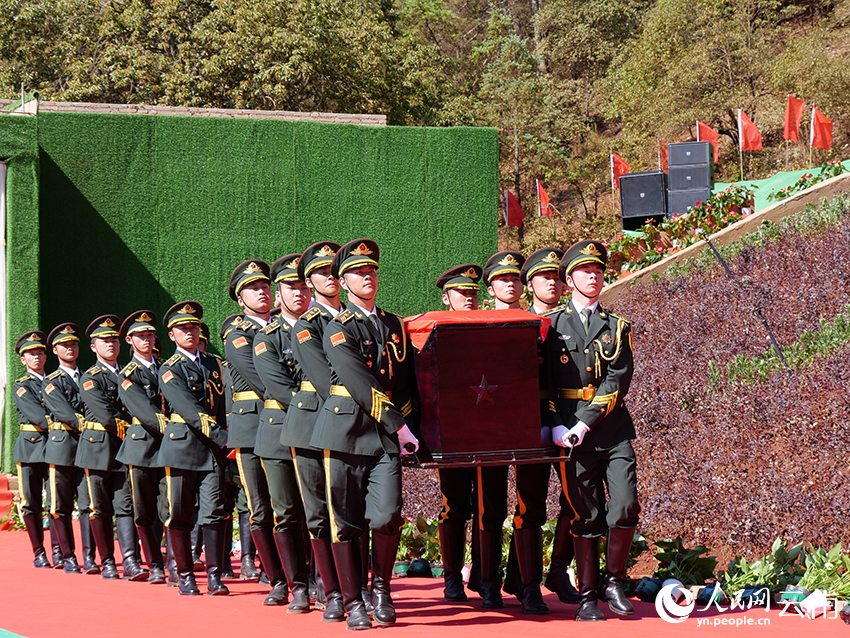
{"x": 481, "y": 492}
{"x": 540, "y": 274}
{"x": 139, "y": 392}
{"x": 275, "y": 363}
{"x": 314, "y": 375}
{"x": 61, "y": 394}
{"x": 193, "y": 448}
{"x": 362, "y": 431}
{"x": 29, "y": 447}
{"x": 591, "y": 367}
{"x": 106, "y": 422}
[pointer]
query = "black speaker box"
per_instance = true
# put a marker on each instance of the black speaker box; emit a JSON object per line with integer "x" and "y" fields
{"x": 690, "y": 177}
{"x": 679, "y": 201}
{"x": 643, "y": 194}
{"x": 684, "y": 153}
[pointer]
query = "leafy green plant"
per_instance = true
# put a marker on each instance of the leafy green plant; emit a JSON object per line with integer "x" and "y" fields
{"x": 827, "y": 170}
{"x": 686, "y": 565}
{"x": 776, "y": 570}
{"x": 825, "y": 568}
{"x": 419, "y": 539}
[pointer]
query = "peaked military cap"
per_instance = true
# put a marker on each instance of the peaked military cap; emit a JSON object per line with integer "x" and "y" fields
{"x": 157, "y": 347}
{"x": 319, "y": 254}
{"x": 29, "y": 340}
{"x": 229, "y": 324}
{"x": 246, "y": 272}
{"x": 356, "y": 253}
{"x": 103, "y": 326}
{"x": 463, "y": 277}
{"x": 138, "y": 321}
{"x": 286, "y": 269}
{"x": 183, "y": 312}
{"x": 64, "y": 332}
{"x": 507, "y": 262}
{"x": 539, "y": 261}
{"x": 205, "y": 333}
{"x": 583, "y": 252}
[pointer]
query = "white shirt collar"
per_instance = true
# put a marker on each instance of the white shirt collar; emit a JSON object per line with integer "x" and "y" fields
{"x": 192, "y": 357}
{"x": 363, "y": 310}
{"x": 75, "y": 372}
{"x": 333, "y": 312}
{"x": 579, "y": 307}
{"x": 115, "y": 369}
{"x": 150, "y": 365}
{"x": 38, "y": 376}
{"x": 258, "y": 320}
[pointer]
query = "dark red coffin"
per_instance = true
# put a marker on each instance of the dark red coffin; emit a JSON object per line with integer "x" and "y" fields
{"x": 478, "y": 384}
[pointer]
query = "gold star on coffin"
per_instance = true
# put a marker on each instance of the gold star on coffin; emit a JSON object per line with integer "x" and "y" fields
{"x": 483, "y": 391}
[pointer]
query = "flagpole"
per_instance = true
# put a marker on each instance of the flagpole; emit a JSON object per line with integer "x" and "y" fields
{"x": 741, "y": 144}
{"x": 658, "y": 145}
{"x": 811, "y": 134}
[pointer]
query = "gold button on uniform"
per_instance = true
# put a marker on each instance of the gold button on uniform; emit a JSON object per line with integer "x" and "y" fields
{"x": 172, "y": 435}
{"x": 300, "y": 404}
{"x": 589, "y": 369}
{"x": 336, "y": 409}
{"x": 587, "y": 352}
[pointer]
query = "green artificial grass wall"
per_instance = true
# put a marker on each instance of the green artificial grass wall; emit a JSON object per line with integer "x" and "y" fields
{"x": 141, "y": 211}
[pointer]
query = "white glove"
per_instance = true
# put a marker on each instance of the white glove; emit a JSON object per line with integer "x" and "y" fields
{"x": 405, "y": 436}
{"x": 561, "y": 435}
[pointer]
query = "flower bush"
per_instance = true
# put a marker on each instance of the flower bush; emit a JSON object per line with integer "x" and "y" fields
{"x": 827, "y": 170}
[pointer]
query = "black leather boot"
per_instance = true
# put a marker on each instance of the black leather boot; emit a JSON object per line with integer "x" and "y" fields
{"x": 384, "y": 549}
{"x": 475, "y": 583}
{"x": 126, "y": 529}
{"x": 558, "y": 579}
{"x": 513, "y": 579}
{"x": 529, "y": 550}
{"x": 171, "y": 579}
{"x": 490, "y": 545}
{"x": 35, "y": 531}
{"x": 87, "y": 541}
{"x": 214, "y": 553}
{"x": 197, "y": 537}
{"x": 348, "y": 564}
{"x": 290, "y": 547}
{"x": 334, "y": 611}
{"x": 65, "y": 536}
{"x": 314, "y": 584}
{"x": 227, "y": 565}
{"x": 153, "y": 554}
{"x": 246, "y": 543}
{"x": 587, "y": 564}
{"x": 104, "y": 540}
{"x": 56, "y": 551}
{"x": 452, "y": 541}
{"x": 265, "y": 543}
{"x": 616, "y": 557}
{"x": 181, "y": 550}
{"x": 365, "y": 594}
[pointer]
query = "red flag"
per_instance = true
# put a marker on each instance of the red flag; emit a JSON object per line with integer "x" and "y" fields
{"x": 793, "y": 115}
{"x": 821, "y": 130}
{"x": 749, "y": 137}
{"x": 513, "y": 211}
{"x": 662, "y": 155}
{"x": 543, "y": 209}
{"x": 619, "y": 167}
{"x": 707, "y": 134}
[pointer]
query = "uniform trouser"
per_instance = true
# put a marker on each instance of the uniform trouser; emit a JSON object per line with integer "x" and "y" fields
{"x": 361, "y": 491}
{"x": 31, "y": 479}
{"x": 256, "y": 488}
{"x": 284, "y": 495}
{"x": 310, "y": 470}
{"x": 145, "y": 489}
{"x": 189, "y": 491}
{"x": 532, "y": 488}
{"x": 584, "y": 480}
{"x": 483, "y": 490}
{"x": 65, "y": 482}
{"x": 110, "y": 493}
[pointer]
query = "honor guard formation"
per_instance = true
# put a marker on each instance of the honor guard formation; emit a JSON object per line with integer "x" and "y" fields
{"x": 301, "y": 429}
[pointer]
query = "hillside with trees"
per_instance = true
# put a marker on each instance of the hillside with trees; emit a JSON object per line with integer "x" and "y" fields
{"x": 566, "y": 82}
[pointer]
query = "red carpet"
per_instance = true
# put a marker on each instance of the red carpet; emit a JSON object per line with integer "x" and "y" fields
{"x": 46, "y": 603}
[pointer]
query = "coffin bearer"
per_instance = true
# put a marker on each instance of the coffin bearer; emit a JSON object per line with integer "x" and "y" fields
{"x": 193, "y": 448}
{"x": 61, "y": 394}
{"x": 314, "y": 373}
{"x": 590, "y": 359}
{"x": 502, "y": 278}
{"x": 250, "y": 287}
{"x": 540, "y": 274}
{"x": 139, "y": 392}
{"x": 106, "y": 423}
{"x": 482, "y": 492}
{"x": 29, "y": 448}
{"x": 362, "y": 430}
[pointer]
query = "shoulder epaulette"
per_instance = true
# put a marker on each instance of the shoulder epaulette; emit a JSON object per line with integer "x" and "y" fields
{"x": 617, "y": 317}
{"x": 312, "y": 313}
{"x": 174, "y": 359}
{"x": 95, "y": 369}
{"x": 128, "y": 369}
{"x": 53, "y": 375}
{"x": 216, "y": 357}
{"x": 26, "y": 377}
{"x": 247, "y": 324}
{"x": 553, "y": 311}
{"x": 271, "y": 327}
{"x": 344, "y": 316}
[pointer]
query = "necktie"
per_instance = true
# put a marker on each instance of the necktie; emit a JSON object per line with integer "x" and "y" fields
{"x": 374, "y": 321}
{"x": 586, "y": 314}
